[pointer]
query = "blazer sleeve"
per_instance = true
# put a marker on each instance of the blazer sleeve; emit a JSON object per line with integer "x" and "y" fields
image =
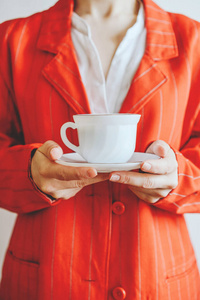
{"x": 17, "y": 192}
{"x": 185, "y": 198}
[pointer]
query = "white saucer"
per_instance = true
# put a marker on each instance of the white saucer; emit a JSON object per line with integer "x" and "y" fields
{"x": 75, "y": 160}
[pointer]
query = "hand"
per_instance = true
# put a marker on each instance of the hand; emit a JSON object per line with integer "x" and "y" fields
{"x": 56, "y": 180}
{"x": 158, "y": 177}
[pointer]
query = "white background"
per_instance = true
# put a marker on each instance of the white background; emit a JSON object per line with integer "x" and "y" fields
{"x": 10, "y": 9}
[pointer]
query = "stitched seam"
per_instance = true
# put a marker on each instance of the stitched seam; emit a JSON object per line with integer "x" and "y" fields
{"x": 60, "y": 62}
{"x": 147, "y": 94}
{"x": 65, "y": 91}
{"x": 144, "y": 73}
{"x": 157, "y": 20}
{"x": 163, "y": 46}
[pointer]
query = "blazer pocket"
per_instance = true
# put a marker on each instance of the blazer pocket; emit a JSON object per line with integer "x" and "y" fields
{"x": 22, "y": 261}
{"x": 20, "y": 278}
{"x": 181, "y": 271}
{"x": 183, "y": 281}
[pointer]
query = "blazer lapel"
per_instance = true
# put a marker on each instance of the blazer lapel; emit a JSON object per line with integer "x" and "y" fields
{"x": 62, "y": 71}
{"x": 148, "y": 79}
{"x": 160, "y": 45}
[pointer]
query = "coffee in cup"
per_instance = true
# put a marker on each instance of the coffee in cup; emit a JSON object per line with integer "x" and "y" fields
{"x": 103, "y": 138}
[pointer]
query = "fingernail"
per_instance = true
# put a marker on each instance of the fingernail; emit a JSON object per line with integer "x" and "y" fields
{"x": 91, "y": 173}
{"x": 115, "y": 177}
{"x": 146, "y": 166}
{"x": 55, "y": 153}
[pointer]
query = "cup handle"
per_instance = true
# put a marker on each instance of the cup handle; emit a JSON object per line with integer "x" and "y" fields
{"x": 65, "y": 139}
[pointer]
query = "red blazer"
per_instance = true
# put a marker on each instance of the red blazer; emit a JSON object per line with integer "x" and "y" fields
{"x": 81, "y": 249}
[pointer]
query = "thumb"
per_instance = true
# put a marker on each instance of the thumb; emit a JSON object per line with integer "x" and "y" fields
{"x": 51, "y": 150}
{"x": 159, "y": 148}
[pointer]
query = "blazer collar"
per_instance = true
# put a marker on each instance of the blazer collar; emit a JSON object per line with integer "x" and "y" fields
{"x": 55, "y": 27}
{"x": 161, "y": 41}
{"x": 161, "y": 44}
{"x": 63, "y": 72}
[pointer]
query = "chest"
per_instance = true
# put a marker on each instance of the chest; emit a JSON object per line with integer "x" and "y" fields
{"x": 107, "y": 36}
{"x": 158, "y": 92}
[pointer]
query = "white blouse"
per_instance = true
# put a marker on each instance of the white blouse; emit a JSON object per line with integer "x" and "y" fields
{"x": 107, "y": 96}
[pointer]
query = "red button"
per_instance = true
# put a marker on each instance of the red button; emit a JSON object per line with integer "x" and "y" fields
{"x": 119, "y": 293}
{"x": 118, "y": 208}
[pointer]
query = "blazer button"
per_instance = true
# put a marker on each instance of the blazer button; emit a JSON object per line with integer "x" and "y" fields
{"x": 118, "y": 208}
{"x": 119, "y": 293}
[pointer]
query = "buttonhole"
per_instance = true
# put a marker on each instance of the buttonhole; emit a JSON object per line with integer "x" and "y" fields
{"x": 89, "y": 280}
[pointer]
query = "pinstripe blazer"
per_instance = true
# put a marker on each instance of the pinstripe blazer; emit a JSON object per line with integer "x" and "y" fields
{"x": 80, "y": 248}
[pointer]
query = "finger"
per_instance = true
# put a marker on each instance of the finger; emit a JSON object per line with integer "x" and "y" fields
{"x": 51, "y": 150}
{"x": 65, "y": 194}
{"x": 67, "y": 189}
{"x": 150, "y": 196}
{"x": 145, "y": 180}
{"x": 74, "y": 184}
{"x": 159, "y": 148}
{"x": 160, "y": 166}
{"x": 50, "y": 169}
{"x": 166, "y": 164}
{"x": 67, "y": 173}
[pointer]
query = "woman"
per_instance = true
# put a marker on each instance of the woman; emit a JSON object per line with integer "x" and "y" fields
{"x": 79, "y": 234}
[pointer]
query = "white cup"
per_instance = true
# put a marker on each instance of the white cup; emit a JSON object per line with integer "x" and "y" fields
{"x": 103, "y": 138}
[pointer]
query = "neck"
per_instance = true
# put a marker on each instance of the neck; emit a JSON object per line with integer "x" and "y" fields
{"x": 106, "y": 8}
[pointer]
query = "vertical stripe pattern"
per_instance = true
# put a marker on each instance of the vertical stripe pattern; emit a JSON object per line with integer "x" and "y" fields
{"x": 175, "y": 107}
{"x": 20, "y": 41}
{"x": 72, "y": 252}
{"x": 91, "y": 252}
{"x": 139, "y": 258}
{"x": 78, "y": 249}
{"x": 53, "y": 253}
{"x": 161, "y": 115}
